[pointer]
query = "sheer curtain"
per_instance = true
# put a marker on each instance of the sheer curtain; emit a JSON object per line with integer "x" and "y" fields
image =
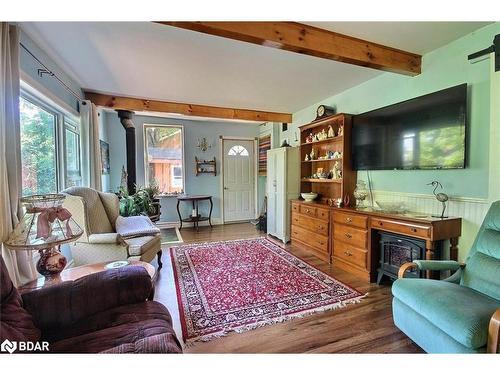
{"x": 19, "y": 263}
{"x": 91, "y": 153}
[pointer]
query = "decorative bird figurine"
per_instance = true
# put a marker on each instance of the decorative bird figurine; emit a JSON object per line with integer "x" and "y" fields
{"x": 441, "y": 197}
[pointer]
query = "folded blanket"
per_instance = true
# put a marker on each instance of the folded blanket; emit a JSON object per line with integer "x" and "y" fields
{"x": 135, "y": 226}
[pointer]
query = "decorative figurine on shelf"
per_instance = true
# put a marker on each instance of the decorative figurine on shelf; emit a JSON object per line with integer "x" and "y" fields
{"x": 341, "y": 131}
{"x": 360, "y": 193}
{"x": 336, "y": 171}
{"x": 309, "y": 138}
{"x": 330, "y": 154}
{"x": 313, "y": 154}
{"x": 441, "y": 197}
{"x": 322, "y": 136}
{"x": 307, "y": 158}
{"x": 331, "y": 133}
{"x": 338, "y": 202}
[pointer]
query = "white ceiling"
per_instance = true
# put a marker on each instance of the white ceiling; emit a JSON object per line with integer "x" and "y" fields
{"x": 416, "y": 37}
{"x": 153, "y": 61}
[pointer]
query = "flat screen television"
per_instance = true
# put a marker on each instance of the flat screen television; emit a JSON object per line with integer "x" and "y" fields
{"x": 428, "y": 132}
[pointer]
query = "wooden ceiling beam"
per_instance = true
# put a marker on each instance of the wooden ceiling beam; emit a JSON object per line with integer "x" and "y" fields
{"x": 313, "y": 41}
{"x": 140, "y": 104}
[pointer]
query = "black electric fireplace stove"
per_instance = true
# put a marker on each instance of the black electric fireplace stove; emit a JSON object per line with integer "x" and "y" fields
{"x": 396, "y": 250}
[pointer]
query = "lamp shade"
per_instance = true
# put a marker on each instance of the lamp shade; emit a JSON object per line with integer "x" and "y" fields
{"x": 46, "y": 223}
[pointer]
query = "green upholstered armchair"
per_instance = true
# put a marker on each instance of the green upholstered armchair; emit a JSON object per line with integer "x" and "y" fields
{"x": 460, "y": 314}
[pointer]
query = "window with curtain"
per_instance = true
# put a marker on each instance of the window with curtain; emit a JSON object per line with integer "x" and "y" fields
{"x": 164, "y": 157}
{"x": 50, "y": 147}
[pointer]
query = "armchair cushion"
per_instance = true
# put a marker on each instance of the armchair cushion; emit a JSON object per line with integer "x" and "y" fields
{"x": 97, "y": 220}
{"x": 460, "y": 312}
{"x": 64, "y": 304}
{"x": 483, "y": 268}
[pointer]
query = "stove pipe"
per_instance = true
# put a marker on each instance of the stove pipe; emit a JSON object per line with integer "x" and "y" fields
{"x": 128, "y": 124}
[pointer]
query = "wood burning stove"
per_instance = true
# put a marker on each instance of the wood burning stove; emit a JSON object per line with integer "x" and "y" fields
{"x": 395, "y": 250}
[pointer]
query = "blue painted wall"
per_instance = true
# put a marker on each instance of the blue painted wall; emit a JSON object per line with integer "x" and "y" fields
{"x": 47, "y": 84}
{"x": 445, "y": 67}
{"x": 202, "y": 184}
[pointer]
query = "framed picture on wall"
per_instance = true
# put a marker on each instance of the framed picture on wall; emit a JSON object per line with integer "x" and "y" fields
{"x": 104, "y": 157}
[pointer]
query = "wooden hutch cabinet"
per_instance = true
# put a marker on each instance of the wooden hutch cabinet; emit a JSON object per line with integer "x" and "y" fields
{"x": 326, "y": 170}
{"x": 323, "y": 151}
{"x": 346, "y": 236}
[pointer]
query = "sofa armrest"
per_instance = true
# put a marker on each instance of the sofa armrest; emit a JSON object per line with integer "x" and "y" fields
{"x": 103, "y": 238}
{"x": 64, "y": 304}
{"x": 494, "y": 333}
{"x": 430, "y": 265}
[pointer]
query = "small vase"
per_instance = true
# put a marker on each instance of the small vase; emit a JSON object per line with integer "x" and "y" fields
{"x": 360, "y": 193}
{"x": 51, "y": 262}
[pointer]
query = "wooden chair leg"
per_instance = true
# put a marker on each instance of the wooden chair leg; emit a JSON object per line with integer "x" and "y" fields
{"x": 160, "y": 264}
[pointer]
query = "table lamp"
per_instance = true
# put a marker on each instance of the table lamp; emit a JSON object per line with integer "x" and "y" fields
{"x": 46, "y": 225}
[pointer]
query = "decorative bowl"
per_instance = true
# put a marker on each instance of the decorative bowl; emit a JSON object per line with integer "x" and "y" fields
{"x": 391, "y": 207}
{"x": 309, "y": 197}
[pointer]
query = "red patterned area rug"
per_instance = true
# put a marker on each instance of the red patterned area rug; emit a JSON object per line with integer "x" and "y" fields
{"x": 245, "y": 284}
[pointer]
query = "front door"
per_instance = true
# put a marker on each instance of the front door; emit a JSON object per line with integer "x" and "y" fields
{"x": 239, "y": 180}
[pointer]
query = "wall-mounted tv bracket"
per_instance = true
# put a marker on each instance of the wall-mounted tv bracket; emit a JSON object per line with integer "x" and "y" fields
{"x": 493, "y": 48}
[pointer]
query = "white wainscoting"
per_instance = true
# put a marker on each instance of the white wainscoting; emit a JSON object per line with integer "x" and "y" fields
{"x": 471, "y": 210}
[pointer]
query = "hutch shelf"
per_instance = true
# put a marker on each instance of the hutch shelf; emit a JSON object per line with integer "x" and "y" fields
{"x": 320, "y": 159}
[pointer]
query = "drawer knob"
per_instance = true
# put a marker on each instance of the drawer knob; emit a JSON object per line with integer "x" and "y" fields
{"x": 308, "y": 210}
{"x": 349, "y": 254}
{"x": 348, "y": 235}
{"x": 414, "y": 230}
{"x": 380, "y": 223}
{"x": 349, "y": 220}
{"x": 321, "y": 227}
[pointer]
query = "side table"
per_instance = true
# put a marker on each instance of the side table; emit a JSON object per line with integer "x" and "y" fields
{"x": 194, "y": 199}
{"x": 74, "y": 273}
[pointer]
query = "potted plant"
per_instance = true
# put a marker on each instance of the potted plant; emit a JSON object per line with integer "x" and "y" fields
{"x": 145, "y": 201}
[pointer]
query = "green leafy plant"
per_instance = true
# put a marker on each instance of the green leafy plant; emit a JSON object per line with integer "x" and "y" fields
{"x": 140, "y": 203}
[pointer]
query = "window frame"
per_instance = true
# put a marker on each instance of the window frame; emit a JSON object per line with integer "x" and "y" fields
{"x": 60, "y": 118}
{"x": 69, "y": 124}
{"x": 183, "y": 163}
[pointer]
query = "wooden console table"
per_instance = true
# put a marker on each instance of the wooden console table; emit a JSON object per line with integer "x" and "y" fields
{"x": 194, "y": 199}
{"x": 352, "y": 238}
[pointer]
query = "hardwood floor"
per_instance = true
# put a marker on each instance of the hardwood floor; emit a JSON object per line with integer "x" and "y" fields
{"x": 366, "y": 327}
